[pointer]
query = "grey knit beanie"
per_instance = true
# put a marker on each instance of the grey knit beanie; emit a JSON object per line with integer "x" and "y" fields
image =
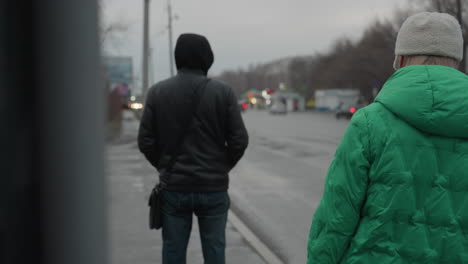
{"x": 435, "y": 34}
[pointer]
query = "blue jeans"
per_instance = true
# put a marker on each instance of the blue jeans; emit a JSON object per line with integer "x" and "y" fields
{"x": 177, "y": 209}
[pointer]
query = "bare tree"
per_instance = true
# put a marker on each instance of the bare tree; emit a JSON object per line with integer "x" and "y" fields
{"x": 300, "y": 75}
{"x": 109, "y": 30}
{"x": 364, "y": 64}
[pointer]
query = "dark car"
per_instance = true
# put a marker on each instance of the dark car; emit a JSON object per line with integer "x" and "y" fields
{"x": 346, "y": 111}
{"x": 243, "y": 105}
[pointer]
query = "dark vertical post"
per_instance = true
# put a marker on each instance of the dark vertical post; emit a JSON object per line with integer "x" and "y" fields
{"x": 20, "y": 212}
{"x": 171, "y": 52}
{"x": 72, "y": 107}
{"x": 145, "y": 47}
{"x": 52, "y": 106}
{"x": 460, "y": 19}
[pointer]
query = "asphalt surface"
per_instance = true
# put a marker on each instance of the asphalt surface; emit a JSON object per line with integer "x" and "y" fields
{"x": 277, "y": 186}
{"x": 274, "y": 189}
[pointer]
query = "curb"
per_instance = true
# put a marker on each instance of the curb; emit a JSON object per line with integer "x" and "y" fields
{"x": 264, "y": 252}
{"x": 250, "y": 220}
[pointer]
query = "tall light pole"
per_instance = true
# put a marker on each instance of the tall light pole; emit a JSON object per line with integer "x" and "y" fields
{"x": 151, "y": 66}
{"x": 146, "y": 50}
{"x": 460, "y": 19}
{"x": 171, "y": 53}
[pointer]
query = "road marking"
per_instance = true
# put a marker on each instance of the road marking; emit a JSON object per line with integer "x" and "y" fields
{"x": 260, "y": 247}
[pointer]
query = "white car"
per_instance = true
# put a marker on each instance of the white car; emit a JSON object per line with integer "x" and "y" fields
{"x": 278, "y": 108}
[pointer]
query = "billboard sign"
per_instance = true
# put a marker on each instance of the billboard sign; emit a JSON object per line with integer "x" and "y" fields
{"x": 119, "y": 69}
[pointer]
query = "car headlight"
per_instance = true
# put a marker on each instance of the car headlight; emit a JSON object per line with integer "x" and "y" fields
{"x": 136, "y": 106}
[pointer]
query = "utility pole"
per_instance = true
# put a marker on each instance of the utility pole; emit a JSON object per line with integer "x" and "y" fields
{"x": 151, "y": 66}
{"x": 146, "y": 50}
{"x": 460, "y": 19}
{"x": 171, "y": 53}
{"x": 459, "y": 11}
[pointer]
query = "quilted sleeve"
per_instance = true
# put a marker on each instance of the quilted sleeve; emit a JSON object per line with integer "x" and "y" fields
{"x": 147, "y": 132}
{"x": 338, "y": 213}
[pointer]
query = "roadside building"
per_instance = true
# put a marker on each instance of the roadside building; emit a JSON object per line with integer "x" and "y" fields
{"x": 294, "y": 102}
{"x": 332, "y": 99}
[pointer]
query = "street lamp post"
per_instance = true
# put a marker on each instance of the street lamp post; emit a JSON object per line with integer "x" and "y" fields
{"x": 171, "y": 53}
{"x": 460, "y": 19}
{"x": 146, "y": 51}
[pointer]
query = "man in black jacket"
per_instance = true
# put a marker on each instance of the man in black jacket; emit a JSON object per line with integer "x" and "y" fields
{"x": 214, "y": 142}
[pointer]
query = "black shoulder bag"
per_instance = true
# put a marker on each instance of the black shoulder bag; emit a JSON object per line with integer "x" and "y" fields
{"x": 154, "y": 201}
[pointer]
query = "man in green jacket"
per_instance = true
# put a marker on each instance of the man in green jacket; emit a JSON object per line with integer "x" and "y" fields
{"x": 397, "y": 189}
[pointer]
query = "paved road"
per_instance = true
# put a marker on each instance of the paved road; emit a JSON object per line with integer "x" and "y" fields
{"x": 277, "y": 186}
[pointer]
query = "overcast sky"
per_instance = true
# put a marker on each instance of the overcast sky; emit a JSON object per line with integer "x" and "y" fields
{"x": 242, "y": 32}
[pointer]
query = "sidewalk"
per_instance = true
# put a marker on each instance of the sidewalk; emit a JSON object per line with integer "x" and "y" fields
{"x": 130, "y": 179}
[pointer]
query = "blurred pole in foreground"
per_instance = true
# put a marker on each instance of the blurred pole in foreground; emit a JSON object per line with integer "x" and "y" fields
{"x": 52, "y": 192}
{"x": 144, "y": 88}
{"x": 20, "y": 221}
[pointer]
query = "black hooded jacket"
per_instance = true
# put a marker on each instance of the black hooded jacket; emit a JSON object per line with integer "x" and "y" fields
{"x": 216, "y": 139}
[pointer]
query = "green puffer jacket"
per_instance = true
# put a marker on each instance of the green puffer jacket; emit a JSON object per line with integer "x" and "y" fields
{"x": 397, "y": 190}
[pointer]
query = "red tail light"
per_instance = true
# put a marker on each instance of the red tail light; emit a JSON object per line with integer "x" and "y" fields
{"x": 352, "y": 110}
{"x": 244, "y": 106}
